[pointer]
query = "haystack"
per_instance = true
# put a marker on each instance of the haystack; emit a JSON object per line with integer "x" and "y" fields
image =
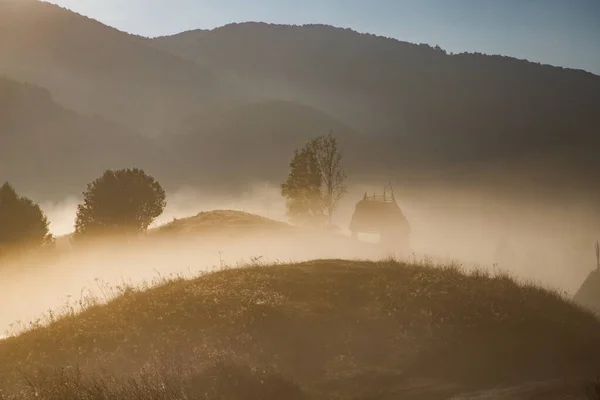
{"x": 381, "y": 215}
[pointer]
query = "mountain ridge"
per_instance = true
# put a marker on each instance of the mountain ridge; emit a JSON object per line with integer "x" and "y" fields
{"x": 416, "y": 108}
{"x": 414, "y": 97}
{"x": 435, "y": 47}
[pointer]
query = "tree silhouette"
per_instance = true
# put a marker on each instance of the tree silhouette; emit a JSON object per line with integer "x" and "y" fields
{"x": 119, "y": 202}
{"x": 333, "y": 176}
{"x": 302, "y": 188}
{"x": 22, "y": 222}
{"x": 316, "y": 181}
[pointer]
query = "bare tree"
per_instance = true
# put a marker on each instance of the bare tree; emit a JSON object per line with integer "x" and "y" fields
{"x": 333, "y": 176}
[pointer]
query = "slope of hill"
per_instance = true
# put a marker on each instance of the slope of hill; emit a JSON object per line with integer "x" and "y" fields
{"x": 228, "y": 222}
{"x": 216, "y": 224}
{"x": 48, "y": 151}
{"x": 95, "y": 69}
{"x": 423, "y": 106}
{"x": 244, "y": 235}
{"x": 336, "y": 328}
{"x": 184, "y": 246}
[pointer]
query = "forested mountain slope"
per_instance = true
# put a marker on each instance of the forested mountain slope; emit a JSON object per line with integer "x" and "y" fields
{"x": 50, "y": 151}
{"x": 96, "y": 69}
{"x": 421, "y": 104}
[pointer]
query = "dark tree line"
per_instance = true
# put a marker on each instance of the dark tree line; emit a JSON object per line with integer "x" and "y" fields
{"x": 124, "y": 201}
{"x": 22, "y": 222}
{"x": 127, "y": 201}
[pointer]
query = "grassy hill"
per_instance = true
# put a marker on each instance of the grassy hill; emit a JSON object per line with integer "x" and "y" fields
{"x": 244, "y": 236}
{"x": 324, "y": 329}
{"x": 229, "y": 222}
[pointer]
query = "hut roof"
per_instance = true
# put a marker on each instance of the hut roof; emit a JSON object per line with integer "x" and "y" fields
{"x": 377, "y": 214}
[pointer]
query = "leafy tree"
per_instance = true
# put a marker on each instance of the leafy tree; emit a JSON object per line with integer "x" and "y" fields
{"x": 22, "y": 222}
{"x": 120, "y": 202}
{"x": 303, "y": 188}
{"x": 316, "y": 181}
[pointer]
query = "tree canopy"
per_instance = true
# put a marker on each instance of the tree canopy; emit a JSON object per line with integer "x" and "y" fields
{"x": 303, "y": 188}
{"x": 22, "y": 222}
{"x": 119, "y": 202}
{"x": 316, "y": 182}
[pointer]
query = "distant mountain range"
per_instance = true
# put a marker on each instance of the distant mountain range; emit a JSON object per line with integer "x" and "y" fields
{"x": 227, "y": 106}
{"x": 430, "y": 104}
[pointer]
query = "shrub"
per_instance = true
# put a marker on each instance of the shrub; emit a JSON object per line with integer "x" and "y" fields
{"x": 122, "y": 201}
{"x": 22, "y": 222}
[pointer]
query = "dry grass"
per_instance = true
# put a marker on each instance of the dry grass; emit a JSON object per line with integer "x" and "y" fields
{"x": 336, "y": 328}
{"x": 211, "y": 382}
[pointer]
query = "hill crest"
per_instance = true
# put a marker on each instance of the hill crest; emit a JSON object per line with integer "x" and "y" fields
{"x": 403, "y": 324}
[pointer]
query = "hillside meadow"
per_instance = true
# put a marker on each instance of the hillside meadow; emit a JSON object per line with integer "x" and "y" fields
{"x": 317, "y": 329}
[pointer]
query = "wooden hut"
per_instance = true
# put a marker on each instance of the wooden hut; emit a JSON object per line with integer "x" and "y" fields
{"x": 380, "y": 214}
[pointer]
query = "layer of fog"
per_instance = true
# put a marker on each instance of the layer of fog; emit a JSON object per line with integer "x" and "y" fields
{"x": 552, "y": 246}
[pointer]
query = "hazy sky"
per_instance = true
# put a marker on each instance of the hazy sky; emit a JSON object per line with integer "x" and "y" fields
{"x": 558, "y": 32}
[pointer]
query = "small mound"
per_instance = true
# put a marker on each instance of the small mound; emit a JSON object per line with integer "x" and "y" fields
{"x": 226, "y": 222}
{"x": 336, "y": 328}
{"x": 231, "y": 230}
